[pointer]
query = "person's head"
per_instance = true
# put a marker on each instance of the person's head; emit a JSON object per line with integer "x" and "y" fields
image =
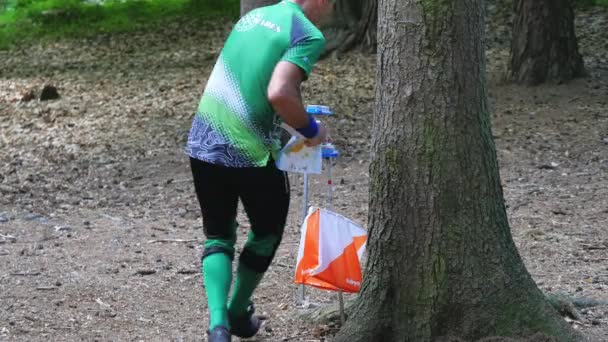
{"x": 317, "y": 11}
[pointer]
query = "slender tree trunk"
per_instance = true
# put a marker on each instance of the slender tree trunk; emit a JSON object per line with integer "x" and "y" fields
{"x": 248, "y": 5}
{"x": 544, "y": 46}
{"x": 441, "y": 260}
{"x": 354, "y": 24}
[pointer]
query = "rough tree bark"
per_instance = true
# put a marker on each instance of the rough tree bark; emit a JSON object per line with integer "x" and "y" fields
{"x": 248, "y": 5}
{"x": 544, "y": 45}
{"x": 441, "y": 259}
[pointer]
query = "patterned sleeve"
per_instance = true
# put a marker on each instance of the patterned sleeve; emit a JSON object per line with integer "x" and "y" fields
{"x": 305, "y": 52}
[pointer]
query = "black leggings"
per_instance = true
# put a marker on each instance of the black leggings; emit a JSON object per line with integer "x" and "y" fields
{"x": 264, "y": 192}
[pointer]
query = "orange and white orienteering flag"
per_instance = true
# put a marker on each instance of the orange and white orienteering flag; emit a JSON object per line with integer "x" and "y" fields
{"x": 330, "y": 252}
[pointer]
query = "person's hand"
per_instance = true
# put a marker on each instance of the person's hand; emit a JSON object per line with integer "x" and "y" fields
{"x": 321, "y": 137}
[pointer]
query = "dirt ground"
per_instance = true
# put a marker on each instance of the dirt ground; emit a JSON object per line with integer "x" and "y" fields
{"x": 101, "y": 232}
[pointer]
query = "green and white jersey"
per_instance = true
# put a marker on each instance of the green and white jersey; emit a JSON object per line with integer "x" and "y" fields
{"x": 235, "y": 125}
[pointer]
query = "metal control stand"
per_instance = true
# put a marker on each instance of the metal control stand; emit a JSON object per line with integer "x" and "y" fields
{"x": 329, "y": 156}
{"x": 313, "y": 110}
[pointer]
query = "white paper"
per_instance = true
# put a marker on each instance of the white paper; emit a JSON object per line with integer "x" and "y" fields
{"x": 297, "y": 157}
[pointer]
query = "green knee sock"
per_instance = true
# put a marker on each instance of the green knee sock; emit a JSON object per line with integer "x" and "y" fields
{"x": 246, "y": 282}
{"x": 217, "y": 276}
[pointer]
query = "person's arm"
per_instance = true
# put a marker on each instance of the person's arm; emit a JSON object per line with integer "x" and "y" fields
{"x": 284, "y": 96}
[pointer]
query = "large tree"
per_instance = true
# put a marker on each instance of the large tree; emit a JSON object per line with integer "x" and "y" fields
{"x": 353, "y": 23}
{"x": 248, "y": 5}
{"x": 544, "y": 45}
{"x": 442, "y": 261}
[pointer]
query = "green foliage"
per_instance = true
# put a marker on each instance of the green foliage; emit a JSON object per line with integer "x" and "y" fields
{"x": 26, "y": 20}
{"x": 6, "y": 4}
{"x": 591, "y": 3}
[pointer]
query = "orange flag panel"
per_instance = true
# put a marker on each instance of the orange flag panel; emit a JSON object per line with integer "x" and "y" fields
{"x": 330, "y": 252}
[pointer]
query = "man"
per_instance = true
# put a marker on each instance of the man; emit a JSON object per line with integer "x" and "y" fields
{"x": 233, "y": 145}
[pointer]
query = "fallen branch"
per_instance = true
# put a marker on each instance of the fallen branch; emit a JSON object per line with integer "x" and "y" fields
{"x": 98, "y": 301}
{"x": 568, "y": 319}
{"x": 187, "y": 271}
{"x": 593, "y": 247}
{"x": 46, "y": 288}
{"x": 30, "y": 318}
{"x": 8, "y": 237}
{"x": 25, "y": 274}
{"x": 173, "y": 240}
{"x": 145, "y": 272}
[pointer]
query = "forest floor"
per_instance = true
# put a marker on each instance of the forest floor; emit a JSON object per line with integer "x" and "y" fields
{"x": 92, "y": 183}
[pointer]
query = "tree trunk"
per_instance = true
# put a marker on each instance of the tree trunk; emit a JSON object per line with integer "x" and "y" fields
{"x": 544, "y": 46}
{"x": 354, "y": 24}
{"x": 441, "y": 259}
{"x": 248, "y": 5}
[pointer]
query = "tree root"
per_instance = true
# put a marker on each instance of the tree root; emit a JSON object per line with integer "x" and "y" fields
{"x": 328, "y": 314}
{"x": 567, "y": 305}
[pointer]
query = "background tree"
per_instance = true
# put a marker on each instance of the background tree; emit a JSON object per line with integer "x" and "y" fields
{"x": 354, "y": 24}
{"x": 248, "y": 5}
{"x": 441, "y": 260}
{"x": 544, "y": 45}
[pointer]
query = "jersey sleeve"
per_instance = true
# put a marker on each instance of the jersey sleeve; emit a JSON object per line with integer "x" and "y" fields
{"x": 305, "y": 53}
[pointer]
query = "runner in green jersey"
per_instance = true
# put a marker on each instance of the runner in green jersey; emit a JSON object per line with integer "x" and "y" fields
{"x": 233, "y": 143}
